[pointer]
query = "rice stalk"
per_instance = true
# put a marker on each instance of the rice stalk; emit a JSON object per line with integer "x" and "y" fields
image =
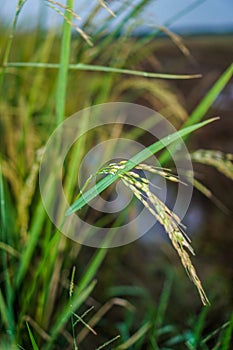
{"x": 171, "y": 222}
{"x": 219, "y": 160}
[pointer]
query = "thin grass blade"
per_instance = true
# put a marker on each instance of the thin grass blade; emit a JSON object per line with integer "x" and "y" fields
{"x": 64, "y": 65}
{"x": 33, "y": 341}
{"x": 210, "y": 97}
{"x": 200, "y": 111}
{"x": 97, "y": 68}
{"x": 135, "y": 337}
{"x": 77, "y": 301}
{"x": 226, "y": 343}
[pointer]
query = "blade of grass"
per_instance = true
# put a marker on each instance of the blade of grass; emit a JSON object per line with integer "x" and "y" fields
{"x": 214, "y": 333}
{"x": 91, "y": 269}
{"x": 9, "y": 310}
{"x": 194, "y": 340}
{"x": 38, "y": 79}
{"x": 163, "y": 303}
{"x": 10, "y": 40}
{"x": 3, "y": 311}
{"x": 96, "y": 260}
{"x": 200, "y": 324}
{"x": 98, "y": 316}
{"x": 176, "y": 340}
{"x": 43, "y": 267}
{"x": 108, "y": 342}
{"x": 35, "y": 231}
{"x": 226, "y": 342}
{"x": 86, "y": 325}
{"x": 206, "y": 192}
{"x": 64, "y": 64}
{"x": 76, "y": 156}
{"x": 199, "y": 112}
{"x": 72, "y": 314}
{"x": 9, "y": 249}
{"x": 138, "y": 158}
{"x": 97, "y": 68}
{"x": 135, "y": 337}
{"x": 64, "y": 314}
{"x": 34, "y": 345}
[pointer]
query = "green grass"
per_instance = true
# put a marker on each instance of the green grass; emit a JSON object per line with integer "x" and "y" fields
{"x": 41, "y": 83}
{"x": 34, "y": 345}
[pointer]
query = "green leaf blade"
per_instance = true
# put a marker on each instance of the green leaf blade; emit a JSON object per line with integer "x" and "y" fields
{"x": 135, "y": 160}
{"x": 33, "y": 341}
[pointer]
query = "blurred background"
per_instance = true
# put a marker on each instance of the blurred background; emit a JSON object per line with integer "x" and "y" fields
{"x": 167, "y": 36}
{"x": 193, "y": 17}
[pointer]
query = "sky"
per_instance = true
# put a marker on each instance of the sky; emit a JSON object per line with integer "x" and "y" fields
{"x": 204, "y": 15}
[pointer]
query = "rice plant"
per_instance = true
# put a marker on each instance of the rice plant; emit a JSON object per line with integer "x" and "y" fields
{"x": 140, "y": 186}
{"x": 43, "y": 304}
{"x": 217, "y": 159}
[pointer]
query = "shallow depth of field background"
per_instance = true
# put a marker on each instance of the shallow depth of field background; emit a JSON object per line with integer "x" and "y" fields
{"x": 146, "y": 275}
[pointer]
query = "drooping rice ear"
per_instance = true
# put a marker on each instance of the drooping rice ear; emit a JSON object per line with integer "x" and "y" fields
{"x": 223, "y": 162}
{"x": 169, "y": 220}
